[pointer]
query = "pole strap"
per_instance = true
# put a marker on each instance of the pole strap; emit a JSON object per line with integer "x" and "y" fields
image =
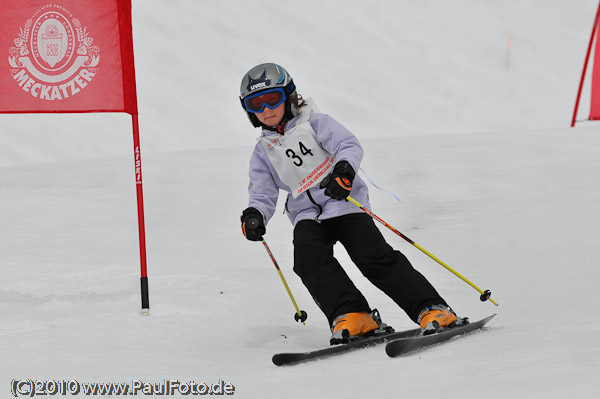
{"x": 380, "y": 188}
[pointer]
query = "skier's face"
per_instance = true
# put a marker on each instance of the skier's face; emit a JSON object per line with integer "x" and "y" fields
{"x": 271, "y": 117}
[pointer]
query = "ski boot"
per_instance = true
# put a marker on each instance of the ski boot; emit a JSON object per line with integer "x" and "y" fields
{"x": 434, "y": 317}
{"x": 354, "y": 325}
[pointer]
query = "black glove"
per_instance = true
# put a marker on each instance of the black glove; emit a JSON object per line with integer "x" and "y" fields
{"x": 338, "y": 183}
{"x": 253, "y": 225}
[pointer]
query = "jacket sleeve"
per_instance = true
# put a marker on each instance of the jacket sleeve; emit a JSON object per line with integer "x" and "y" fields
{"x": 337, "y": 140}
{"x": 262, "y": 190}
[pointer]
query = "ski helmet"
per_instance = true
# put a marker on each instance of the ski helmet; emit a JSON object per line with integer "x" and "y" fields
{"x": 266, "y": 77}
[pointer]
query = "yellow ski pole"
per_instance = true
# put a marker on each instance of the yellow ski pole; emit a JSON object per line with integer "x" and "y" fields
{"x": 485, "y": 295}
{"x": 300, "y": 314}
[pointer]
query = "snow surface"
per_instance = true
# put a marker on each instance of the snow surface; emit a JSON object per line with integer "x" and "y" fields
{"x": 472, "y": 137}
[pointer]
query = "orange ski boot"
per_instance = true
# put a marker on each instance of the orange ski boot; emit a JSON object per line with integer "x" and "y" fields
{"x": 434, "y": 317}
{"x": 352, "y": 325}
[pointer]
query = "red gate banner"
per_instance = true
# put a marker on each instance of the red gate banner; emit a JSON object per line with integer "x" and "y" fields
{"x": 595, "y": 99}
{"x": 72, "y": 56}
{"x": 66, "y": 56}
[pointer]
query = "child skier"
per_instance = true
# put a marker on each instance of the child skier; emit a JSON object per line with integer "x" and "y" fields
{"x": 315, "y": 159}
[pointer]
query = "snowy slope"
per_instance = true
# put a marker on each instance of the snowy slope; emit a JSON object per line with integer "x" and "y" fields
{"x": 491, "y": 181}
{"x": 429, "y": 66}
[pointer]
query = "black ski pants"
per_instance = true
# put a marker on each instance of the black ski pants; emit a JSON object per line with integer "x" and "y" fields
{"x": 388, "y": 269}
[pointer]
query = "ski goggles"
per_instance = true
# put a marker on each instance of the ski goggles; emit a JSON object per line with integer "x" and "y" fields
{"x": 271, "y": 99}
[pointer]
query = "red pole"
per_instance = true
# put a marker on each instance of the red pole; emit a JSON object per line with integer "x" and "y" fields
{"x": 140, "y": 206}
{"x": 587, "y": 57}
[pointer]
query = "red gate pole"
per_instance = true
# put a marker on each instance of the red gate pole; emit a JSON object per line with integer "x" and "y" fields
{"x": 587, "y": 57}
{"x": 140, "y": 207}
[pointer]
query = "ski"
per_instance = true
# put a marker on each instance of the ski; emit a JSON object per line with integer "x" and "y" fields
{"x": 404, "y": 345}
{"x": 283, "y": 359}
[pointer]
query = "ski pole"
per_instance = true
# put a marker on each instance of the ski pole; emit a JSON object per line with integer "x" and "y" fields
{"x": 300, "y": 314}
{"x": 485, "y": 295}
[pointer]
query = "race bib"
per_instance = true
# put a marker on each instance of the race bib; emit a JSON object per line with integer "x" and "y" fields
{"x": 298, "y": 158}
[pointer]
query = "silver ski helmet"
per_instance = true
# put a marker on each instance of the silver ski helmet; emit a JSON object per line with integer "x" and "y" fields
{"x": 262, "y": 79}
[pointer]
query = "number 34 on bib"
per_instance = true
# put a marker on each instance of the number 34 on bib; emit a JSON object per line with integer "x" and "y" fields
{"x": 298, "y": 158}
